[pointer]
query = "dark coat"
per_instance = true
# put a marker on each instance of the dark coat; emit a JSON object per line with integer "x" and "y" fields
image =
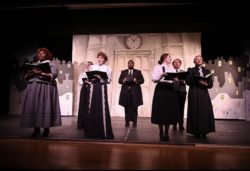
{"x": 200, "y": 116}
{"x": 131, "y": 87}
{"x": 180, "y": 86}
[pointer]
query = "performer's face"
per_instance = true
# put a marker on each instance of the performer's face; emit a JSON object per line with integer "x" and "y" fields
{"x": 176, "y": 64}
{"x": 130, "y": 64}
{"x": 41, "y": 55}
{"x": 101, "y": 60}
{"x": 168, "y": 59}
{"x": 198, "y": 60}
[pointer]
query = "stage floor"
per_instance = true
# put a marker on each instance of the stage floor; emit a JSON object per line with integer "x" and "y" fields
{"x": 132, "y": 148}
{"x": 228, "y": 132}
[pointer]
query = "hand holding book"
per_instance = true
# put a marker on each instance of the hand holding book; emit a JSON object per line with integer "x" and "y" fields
{"x": 43, "y": 67}
{"x": 97, "y": 74}
{"x": 38, "y": 69}
{"x": 203, "y": 82}
{"x": 204, "y": 78}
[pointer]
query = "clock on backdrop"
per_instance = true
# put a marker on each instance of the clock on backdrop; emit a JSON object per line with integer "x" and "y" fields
{"x": 133, "y": 41}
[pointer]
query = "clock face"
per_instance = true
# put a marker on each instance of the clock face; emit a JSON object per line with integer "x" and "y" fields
{"x": 133, "y": 41}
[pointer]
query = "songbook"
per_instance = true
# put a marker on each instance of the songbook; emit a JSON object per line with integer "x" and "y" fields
{"x": 43, "y": 66}
{"x": 92, "y": 74}
{"x": 205, "y": 78}
{"x": 180, "y": 75}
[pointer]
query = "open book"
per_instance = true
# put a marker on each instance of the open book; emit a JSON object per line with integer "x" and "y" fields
{"x": 179, "y": 75}
{"x": 205, "y": 78}
{"x": 92, "y": 74}
{"x": 44, "y": 66}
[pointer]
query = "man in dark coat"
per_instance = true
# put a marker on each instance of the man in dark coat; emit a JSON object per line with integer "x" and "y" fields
{"x": 180, "y": 88}
{"x": 131, "y": 94}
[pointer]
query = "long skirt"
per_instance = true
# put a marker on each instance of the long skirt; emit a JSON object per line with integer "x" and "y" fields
{"x": 165, "y": 109}
{"x": 41, "y": 106}
{"x": 83, "y": 106}
{"x": 200, "y": 116}
{"x": 97, "y": 120}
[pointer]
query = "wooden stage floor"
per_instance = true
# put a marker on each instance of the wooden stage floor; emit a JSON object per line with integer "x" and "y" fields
{"x": 133, "y": 148}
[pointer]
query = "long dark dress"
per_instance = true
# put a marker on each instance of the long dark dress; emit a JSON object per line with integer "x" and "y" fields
{"x": 94, "y": 108}
{"x": 41, "y": 106}
{"x": 200, "y": 116}
{"x": 82, "y": 120}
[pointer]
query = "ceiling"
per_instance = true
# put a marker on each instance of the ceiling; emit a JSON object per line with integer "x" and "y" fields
{"x": 170, "y": 16}
{"x": 74, "y": 5}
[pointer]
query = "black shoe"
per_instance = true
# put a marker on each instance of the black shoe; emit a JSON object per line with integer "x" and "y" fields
{"x": 45, "y": 132}
{"x": 196, "y": 135}
{"x": 127, "y": 124}
{"x": 181, "y": 127}
{"x": 110, "y": 137}
{"x": 36, "y": 133}
{"x": 174, "y": 127}
{"x": 203, "y": 135}
{"x": 134, "y": 125}
{"x": 166, "y": 138}
{"x": 161, "y": 136}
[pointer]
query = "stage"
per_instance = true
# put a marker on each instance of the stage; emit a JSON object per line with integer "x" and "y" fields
{"x": 228, "y": 132}
{"x": 132, "y": 148}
